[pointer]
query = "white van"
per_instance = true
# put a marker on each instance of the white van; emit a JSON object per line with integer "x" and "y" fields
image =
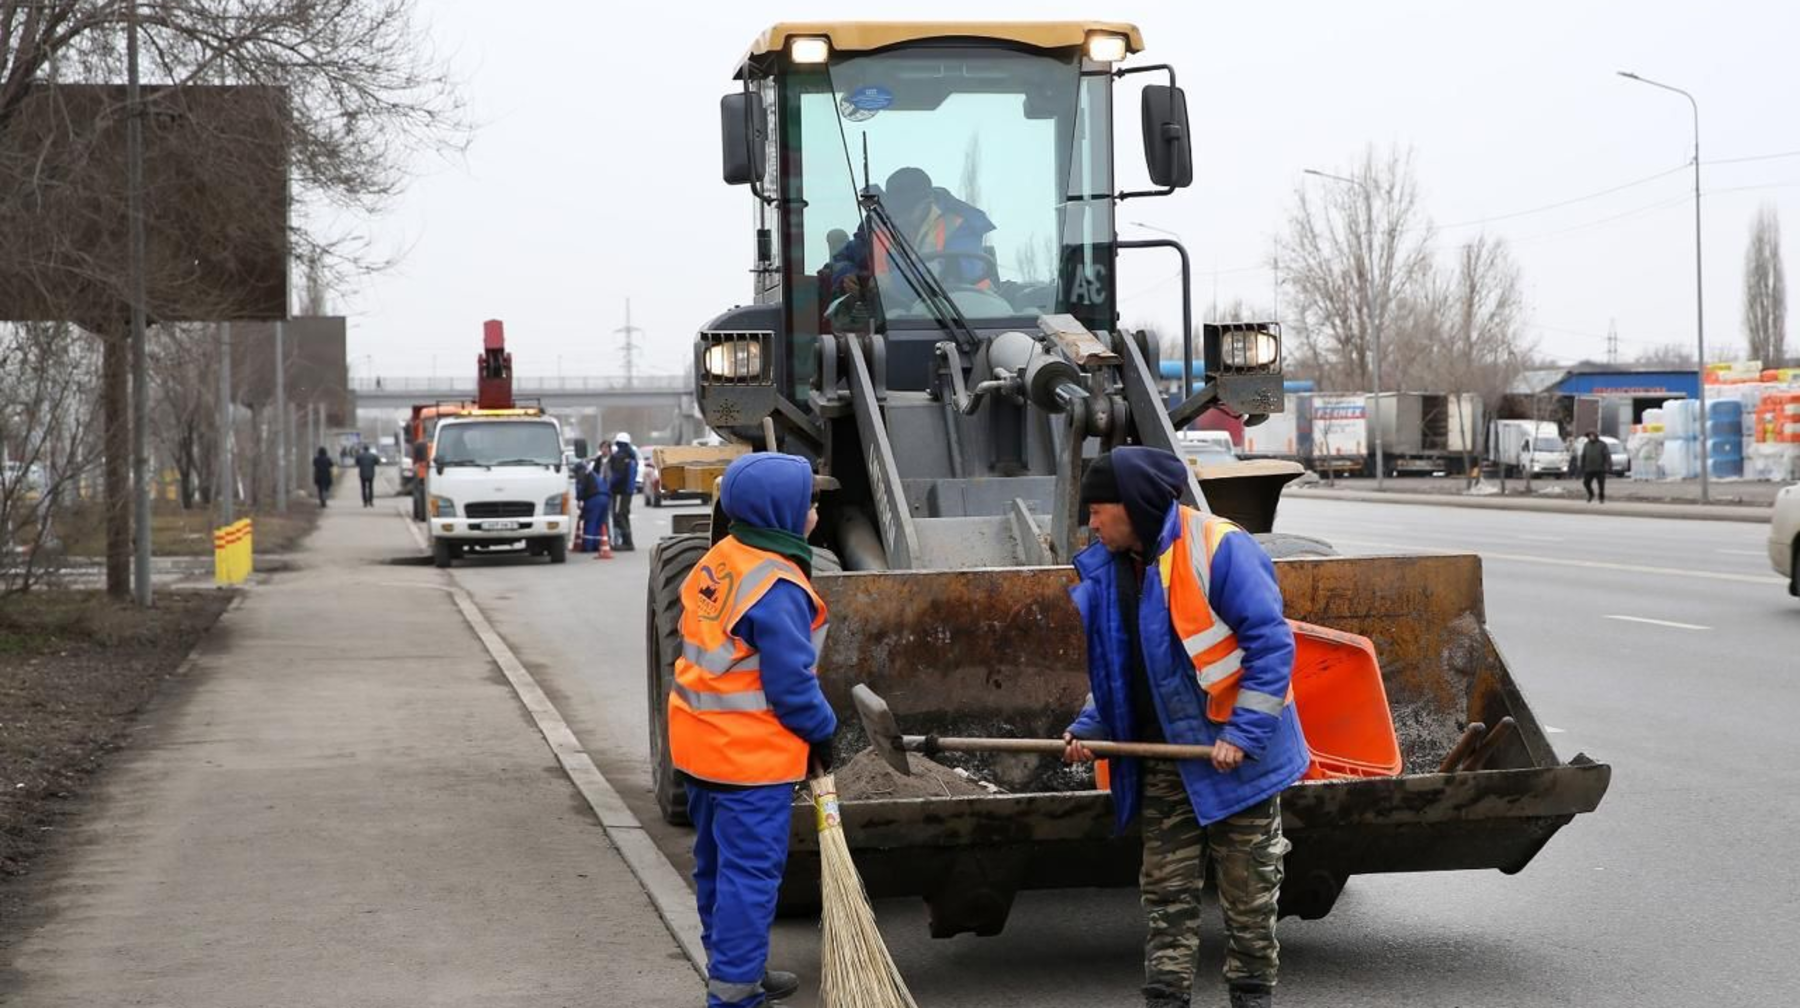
{"x": 497, "y": 482}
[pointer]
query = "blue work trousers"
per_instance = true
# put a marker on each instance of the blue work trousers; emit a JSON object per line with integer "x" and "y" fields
{"x": 593, "y": 519}
{"x": 740, "y": 851}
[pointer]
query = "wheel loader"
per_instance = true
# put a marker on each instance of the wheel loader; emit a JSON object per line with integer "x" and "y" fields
{"x": 935, "y": 323}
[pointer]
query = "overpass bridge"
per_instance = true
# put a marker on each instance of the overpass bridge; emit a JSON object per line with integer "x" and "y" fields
{"x": 554, "y": 393}
{"x": 659, "y": 407}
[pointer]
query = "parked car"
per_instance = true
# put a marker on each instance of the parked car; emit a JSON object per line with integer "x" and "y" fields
{"x": 1620, "y": 462}
{"x": 1784, "y": 536}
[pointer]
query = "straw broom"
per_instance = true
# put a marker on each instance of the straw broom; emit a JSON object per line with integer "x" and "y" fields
{"x": 855, "y": 968}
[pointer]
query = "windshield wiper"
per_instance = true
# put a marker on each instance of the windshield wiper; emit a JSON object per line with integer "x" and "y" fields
{"x": 522, "y": 461}
{"x": 913, "y": 270}
{"x": 459, "y": 462}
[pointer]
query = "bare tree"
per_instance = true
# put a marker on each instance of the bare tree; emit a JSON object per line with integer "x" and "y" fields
{"x": 331, "y": 98}
{"x": 1478, "y": 343}
{"x": 1352, "y": 253}
{"x": 49, "y": 444}
{"x": 1765, "y": 290}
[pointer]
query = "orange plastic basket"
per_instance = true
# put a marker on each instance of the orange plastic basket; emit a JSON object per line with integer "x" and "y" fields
{"x": 1343, "y": 705}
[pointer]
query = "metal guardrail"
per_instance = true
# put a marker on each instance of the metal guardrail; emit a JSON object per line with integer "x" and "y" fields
{"x": 530, "y": 385}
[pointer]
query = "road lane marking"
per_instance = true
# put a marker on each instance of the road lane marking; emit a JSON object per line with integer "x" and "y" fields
{"x": 1548, "y": 730}
{"x": 1659, "y": 622}
{"x": 1757, "y": 579}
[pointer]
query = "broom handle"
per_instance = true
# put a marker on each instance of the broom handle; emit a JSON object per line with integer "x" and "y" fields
{"x": 929, "y": 744}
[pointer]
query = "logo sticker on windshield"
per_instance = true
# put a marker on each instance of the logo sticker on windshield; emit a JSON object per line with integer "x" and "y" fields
{"x": 862, "y": 104}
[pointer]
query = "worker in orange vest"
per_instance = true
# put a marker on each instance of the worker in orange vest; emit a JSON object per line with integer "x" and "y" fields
{"x": 947, "y": 231}
{"x": 1187, "y": 643}
{"x": 746, "y": 715}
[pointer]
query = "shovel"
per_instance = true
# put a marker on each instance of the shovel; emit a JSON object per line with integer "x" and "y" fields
{"x": 884, "y": 734}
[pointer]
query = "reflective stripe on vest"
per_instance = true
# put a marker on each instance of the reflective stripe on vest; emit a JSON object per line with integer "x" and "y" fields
{"x": 722, "y": 727}
{"x": 1186, "y": 569}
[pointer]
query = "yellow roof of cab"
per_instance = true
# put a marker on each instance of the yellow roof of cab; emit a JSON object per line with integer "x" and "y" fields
{"x": 862, "y": 36}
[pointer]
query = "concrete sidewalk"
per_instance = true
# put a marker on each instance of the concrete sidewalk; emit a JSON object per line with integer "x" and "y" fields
{"x": 351, "y": 808}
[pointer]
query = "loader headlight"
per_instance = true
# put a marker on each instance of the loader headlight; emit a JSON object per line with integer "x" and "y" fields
{"x": 442, "y": 507}
{"x": 1106, "y": 48}
{"x": 1249, "y": 349}
{"x": 736, "y": 359}
{"x": 809, "y": 49}
{"x": 557, "y": 505}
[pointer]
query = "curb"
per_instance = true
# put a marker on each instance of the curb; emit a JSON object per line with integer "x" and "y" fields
{"x": 1750, "y": 513}
{"x": 660, "y": 881}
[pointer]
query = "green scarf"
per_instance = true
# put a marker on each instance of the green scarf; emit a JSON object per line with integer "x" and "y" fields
{"x": 779, "y": 541}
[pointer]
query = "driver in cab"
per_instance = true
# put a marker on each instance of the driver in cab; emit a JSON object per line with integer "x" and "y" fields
{"x": 933, "y": 220}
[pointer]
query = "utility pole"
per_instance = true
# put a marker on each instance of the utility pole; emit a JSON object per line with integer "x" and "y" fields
{"x": 227, "y": 478}
{"x": 281, "y": 418}
{"x": 1612, "y": 341}
{"x": 630, "y": 332}
{"x": 140, "y": 355}
{"x": 1699, "y": 285}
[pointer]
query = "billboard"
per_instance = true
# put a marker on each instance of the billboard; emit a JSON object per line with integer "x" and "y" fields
{"x": 215, "y": 205}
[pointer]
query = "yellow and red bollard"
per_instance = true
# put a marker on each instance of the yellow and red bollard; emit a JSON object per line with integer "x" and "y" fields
{"x": 233, "y": 552}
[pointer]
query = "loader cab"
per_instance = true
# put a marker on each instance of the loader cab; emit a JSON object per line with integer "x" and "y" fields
{"x": 989, "y": 146}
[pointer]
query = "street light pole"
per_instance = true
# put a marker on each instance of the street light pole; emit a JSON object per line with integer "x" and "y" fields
{"x": 1699, "y": 287}
{"x": 1374, "y": 325}
{"x": 140, "y": 355}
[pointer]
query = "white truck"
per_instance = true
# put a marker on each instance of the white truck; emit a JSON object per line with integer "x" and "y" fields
{"x": 1528, "y": 447}
{"x": 497, "y": 483}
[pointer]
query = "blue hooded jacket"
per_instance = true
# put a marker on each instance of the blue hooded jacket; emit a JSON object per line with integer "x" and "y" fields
{"x": 774, "y": 491}
{"x": 1243, "y": 594}
{"x": 967, "y": 236}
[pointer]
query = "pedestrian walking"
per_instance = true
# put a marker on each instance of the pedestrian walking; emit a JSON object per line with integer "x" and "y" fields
{"x": 1187, "y": 643}
{"x": 322, "y": 474}
{"x": 1596, "y": 459}
{"x": 621, "y": 478}
{"x": 366, "y": 463}
{"x": 746, "y": 715}
{"x": 590, "y": 493}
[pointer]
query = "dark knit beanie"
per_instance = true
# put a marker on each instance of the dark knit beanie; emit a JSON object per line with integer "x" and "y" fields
{"x": 1099, "y": 484}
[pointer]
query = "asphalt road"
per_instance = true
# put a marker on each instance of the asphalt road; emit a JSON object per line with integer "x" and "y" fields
{"x": 1662, "y": 647}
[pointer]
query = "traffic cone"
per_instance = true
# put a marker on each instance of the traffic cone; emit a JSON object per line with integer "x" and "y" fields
{"x": 605, "y": 546}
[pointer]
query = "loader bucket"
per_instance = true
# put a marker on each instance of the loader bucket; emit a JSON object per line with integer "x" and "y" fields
{"x": 1001, "y": 652}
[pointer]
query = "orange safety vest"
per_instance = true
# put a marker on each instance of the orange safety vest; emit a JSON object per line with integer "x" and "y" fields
{"x": 721, "y": 726}
{"x": 1186, "y": 569}
{"x": 935, "y": 237}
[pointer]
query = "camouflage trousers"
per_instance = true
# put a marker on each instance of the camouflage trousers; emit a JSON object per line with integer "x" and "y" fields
{"x": 1244, "y": 854}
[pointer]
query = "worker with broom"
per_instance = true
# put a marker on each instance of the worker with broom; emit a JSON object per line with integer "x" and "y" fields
{"x": 746, "y": 715}
{"x": 1187, "y": 644}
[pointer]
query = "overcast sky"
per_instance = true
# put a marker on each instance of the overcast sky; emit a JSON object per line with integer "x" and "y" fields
{"x": 594, "y": 175}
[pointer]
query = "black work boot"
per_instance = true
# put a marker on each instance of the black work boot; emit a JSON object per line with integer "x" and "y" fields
{"x": 777, "y": 984}
{"x": 1249, "y": 994}
{"x": 1162, "y": 997}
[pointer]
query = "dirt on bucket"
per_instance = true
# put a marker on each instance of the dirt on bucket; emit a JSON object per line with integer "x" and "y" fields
{"x": 867, "y": 777}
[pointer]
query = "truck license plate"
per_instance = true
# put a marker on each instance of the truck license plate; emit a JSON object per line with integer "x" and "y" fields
{"x": 499, "y": 526}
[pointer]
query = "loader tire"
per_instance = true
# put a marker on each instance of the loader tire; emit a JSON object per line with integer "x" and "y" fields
{"x": 1286, "y": 545}
{"x": 670, "y": 563}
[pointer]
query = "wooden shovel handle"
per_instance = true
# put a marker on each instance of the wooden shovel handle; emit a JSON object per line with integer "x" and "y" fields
{"x": 1054, "y": 747}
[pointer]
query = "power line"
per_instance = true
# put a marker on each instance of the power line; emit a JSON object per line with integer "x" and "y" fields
{"x": 1753, "y": 157}
{"x": 1569, "y": 202}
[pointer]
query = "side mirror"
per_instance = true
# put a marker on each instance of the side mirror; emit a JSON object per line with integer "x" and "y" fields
{"x": 581, "y": 448}
{"x": 421, "y": 451}
{"x": 1168, "y": 149}
{"x": 743, "y": 130}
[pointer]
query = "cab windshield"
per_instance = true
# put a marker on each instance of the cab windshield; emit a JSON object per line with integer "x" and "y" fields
{"x": 499, "y": 442}
{"x": 994, "y": 166}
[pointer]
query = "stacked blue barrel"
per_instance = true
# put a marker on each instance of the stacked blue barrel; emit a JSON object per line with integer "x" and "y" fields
{"x": 1725, "y": 439}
